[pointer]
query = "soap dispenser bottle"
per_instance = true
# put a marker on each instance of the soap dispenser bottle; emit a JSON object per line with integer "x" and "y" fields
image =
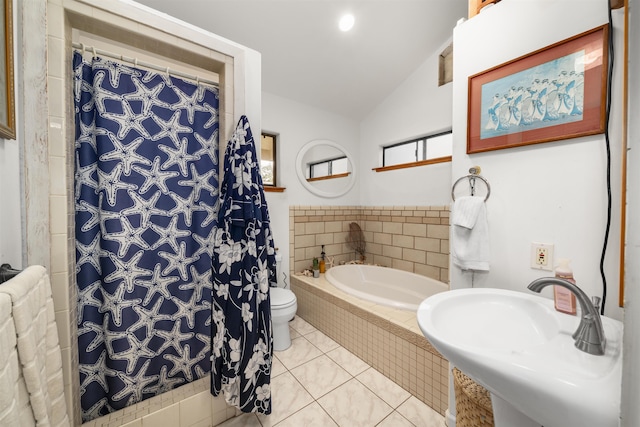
{"x": 322, "y": 261}
{"x": 564, "y": 299}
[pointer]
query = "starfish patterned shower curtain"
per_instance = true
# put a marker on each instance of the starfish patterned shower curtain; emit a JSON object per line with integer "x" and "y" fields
{"x": 146, "y": 190}
{"x": 244, "y": 266}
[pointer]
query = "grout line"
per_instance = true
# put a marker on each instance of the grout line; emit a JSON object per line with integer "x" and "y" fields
{"x": 394, "y": 409}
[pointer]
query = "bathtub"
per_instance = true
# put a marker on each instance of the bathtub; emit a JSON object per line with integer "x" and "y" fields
{"x": 384, "y": 286}
{"x": 388, "y": 340}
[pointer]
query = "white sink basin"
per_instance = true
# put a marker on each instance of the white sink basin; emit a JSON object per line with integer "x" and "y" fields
{"x": 520, "y": 348}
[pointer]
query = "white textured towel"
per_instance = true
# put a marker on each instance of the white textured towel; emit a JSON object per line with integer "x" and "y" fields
{"x": 470, "y": 234}
{"x": 14, "y": 400}
{"x": 38, "y": 349}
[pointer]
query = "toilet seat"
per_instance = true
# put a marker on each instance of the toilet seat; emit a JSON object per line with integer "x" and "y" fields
{"x": 282, "y": 298}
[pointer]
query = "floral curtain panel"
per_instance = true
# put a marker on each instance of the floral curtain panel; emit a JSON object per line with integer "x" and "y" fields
{"x": 243, "y": 267}
{"x": 146, "y": 191}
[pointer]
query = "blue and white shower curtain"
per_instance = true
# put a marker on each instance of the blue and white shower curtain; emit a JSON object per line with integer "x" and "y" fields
{"x": 244, "y": 266}
{"x": 146, "y": 191}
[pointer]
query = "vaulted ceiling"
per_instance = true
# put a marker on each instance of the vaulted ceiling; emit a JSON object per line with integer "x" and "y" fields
{"x": 306, "y": 58}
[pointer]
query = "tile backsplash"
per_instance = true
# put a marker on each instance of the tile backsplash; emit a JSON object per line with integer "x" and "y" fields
{"x": 410, "y": 238}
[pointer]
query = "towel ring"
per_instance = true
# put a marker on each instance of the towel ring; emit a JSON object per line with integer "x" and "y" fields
{"x": 472, "y": 183}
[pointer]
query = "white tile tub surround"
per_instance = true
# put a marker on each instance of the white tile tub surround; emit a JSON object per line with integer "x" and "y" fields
{"x": 188, "y": 406}
{"x": 48, "y": 135}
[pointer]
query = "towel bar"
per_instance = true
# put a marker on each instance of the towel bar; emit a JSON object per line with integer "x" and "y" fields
{"x": 474, "y": 173}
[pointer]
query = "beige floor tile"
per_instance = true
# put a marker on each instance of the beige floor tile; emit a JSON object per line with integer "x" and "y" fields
{"x": 288, "y": 397}
{"x": 293, "y": 333}
{"x": 348, "y": 361}
{"x": 301, "y": 351}
{"x": 348, "y": 392}
{"x": 277, "y": 368}
{"x": 302, "y": 326}
{"x": 310, "y": 416}
{"x": 323, "y": 342}
{"x": 420, "y": 414}
{"x": 245, "y": 420}
{"x": 354, "y": 405}
{"x": 383, "y": 387}
{"x": 396, "y": 420}
{"x": 320, "y": 375}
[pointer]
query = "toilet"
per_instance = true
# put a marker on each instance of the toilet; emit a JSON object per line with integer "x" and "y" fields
{"x": 283, "y": 309}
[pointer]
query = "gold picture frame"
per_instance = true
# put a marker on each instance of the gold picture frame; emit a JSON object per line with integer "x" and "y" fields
{"x": 7, "y": 95}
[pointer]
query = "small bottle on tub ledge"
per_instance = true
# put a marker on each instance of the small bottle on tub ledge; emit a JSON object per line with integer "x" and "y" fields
{"x": 322, "y": 265}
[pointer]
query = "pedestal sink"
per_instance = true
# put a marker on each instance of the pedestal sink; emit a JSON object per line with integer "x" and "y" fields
{"x": 521, "y": 349}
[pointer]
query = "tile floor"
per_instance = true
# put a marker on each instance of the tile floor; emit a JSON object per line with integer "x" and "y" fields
{"x": 318, "y": 383}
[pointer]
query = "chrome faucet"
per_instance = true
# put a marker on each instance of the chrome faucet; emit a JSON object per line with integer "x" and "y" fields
{"x": 589, "y": 337}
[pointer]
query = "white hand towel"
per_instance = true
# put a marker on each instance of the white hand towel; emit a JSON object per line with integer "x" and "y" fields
{"x": 38, "y": 346}
{"x": 9, "y": 368}
{"x": 470, "y": 234}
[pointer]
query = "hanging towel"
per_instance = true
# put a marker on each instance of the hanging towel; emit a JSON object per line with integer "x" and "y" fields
{"x": 37, "y": 342}
{"x": 470, "y": 234}
{"x": 14, "y": 399}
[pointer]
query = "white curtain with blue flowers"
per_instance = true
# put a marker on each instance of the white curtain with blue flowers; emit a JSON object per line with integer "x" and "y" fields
{"x": 244, "y": 265}
{"x": 146, "y": 191}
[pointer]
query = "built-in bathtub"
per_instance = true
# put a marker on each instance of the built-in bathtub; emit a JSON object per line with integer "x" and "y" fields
{"x": 385, "y": 286}
{"x": 388, "y": 339}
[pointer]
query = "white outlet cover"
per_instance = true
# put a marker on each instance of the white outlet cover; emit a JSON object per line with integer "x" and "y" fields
{"x": 535, "y": 246}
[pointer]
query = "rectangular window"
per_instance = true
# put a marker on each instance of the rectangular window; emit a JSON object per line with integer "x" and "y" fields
{"x": 439, "y": 146}
{"x": 268, "y": 167}
{"x": 445, "y": 66}
{"x": 329, "y": 167}
{"x": 433, "y": 147}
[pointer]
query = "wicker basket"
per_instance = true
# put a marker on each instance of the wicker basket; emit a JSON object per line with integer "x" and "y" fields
{"x": 473, "y": 402}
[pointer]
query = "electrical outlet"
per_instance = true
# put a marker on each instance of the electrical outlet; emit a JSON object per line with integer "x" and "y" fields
{"x": 542, "y": 256}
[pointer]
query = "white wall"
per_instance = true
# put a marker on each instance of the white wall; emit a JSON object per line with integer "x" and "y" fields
{"x": 10, "y": 183}
{"x": 10, "y": 197}
{"x": 553, "y": 192}
{"x": 416, "y": 108}
{"x": 296, "y": 124}
{"x": 631, "y": 359}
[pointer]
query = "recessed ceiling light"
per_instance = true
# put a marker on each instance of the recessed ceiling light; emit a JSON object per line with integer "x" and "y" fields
{"x": 346, "y": 22}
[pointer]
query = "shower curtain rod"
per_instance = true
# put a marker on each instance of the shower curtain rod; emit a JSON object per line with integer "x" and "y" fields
{"x": 136, "y": 63}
